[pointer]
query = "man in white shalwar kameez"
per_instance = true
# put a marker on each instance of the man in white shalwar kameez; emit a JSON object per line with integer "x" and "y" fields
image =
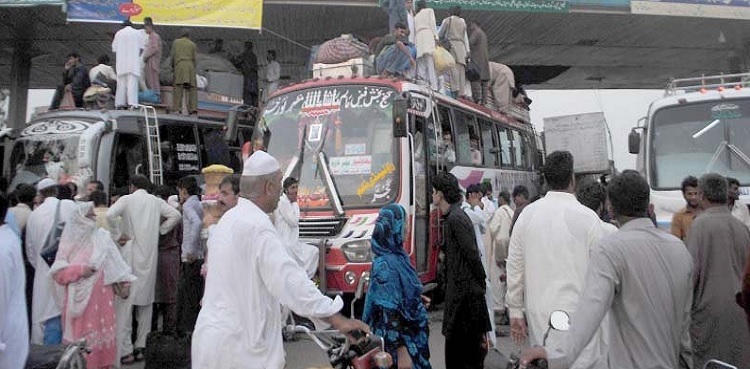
{"x": 473, "y": 207}
{"x": 140, "y": 222}
{"x": 239, "y": 325}
{"x": 499, "y": 230}
{"x": 14, "y": 329}
{"x": 45, "y": 310}
{"x": 548, "y": 259}
{"x": 127, "y": 45}
{"x": 286, "y": 221}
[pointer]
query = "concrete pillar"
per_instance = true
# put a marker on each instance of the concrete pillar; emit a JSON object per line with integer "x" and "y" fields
{"x": 20, "y": 74}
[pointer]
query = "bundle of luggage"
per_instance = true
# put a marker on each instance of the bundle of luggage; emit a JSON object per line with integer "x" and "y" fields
{"x": 341, "y": 49}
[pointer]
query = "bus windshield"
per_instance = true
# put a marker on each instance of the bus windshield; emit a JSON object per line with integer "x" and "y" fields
{"x": 701, "y": 138}
{"x": 351, "y": 126}
{"x": 53, "y": 156}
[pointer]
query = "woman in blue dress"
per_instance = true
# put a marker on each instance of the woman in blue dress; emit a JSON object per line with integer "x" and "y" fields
{"x": 393, "y": 307}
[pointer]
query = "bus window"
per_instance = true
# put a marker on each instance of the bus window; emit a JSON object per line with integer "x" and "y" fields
{"x": 527, "y": 151}
{"x": 215, "y": 149}
{"x": 506, "y": 159}
{"x": 517, "y": 149}
{"x": 467, "y": 136}
{"x": 489, "y": 142}
{"x": 446, "y": 146}
{"x": 180, "y": 152}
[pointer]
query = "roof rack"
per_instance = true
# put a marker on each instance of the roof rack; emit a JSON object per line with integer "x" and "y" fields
{"x": 707, "y": 82}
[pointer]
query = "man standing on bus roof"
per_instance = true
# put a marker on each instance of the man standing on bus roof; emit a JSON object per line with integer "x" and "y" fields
{"x": 466, "y": 320}
{"x": 239, "y": 325}
{"x": 546, "y": 269}
{"x": 682, "y": 219}
{"x": 152, "y": 56}
{"x": 273, "y": 74}
{"x": 247, "y": 63}
{"x": 127, "y": 46}
{"x": 183, "y": 65}
{"x": 738, "y": 209}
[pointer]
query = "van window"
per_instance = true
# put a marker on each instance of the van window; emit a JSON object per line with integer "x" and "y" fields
{"x": 447, "y": 138}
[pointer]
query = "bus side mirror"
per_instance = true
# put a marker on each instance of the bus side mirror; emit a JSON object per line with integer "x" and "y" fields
{"x": 400, "y": 128}
{"x": 634, "y": 142}
{"x": 233, "y": 116}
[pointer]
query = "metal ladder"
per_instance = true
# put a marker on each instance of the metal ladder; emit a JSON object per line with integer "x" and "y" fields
{"x": 153, "y": 144}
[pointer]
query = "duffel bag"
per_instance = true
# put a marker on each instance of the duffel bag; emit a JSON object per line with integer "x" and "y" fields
{"x": 167, "y": 350}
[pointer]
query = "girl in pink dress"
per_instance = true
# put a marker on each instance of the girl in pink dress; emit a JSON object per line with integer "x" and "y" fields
{"x": 89, "y": 266}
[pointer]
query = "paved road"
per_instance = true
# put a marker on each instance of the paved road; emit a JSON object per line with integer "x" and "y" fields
{"x": 303, "y": 353}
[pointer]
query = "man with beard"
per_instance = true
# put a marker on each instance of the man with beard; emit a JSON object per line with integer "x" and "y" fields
{"x": 682, "y": 219}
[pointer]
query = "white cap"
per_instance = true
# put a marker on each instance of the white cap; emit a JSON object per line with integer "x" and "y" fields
{"x": 260, "y": 163}
{"x": 45, "y": 183}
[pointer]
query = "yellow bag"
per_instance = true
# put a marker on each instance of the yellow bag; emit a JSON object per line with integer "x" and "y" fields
{"x": 443, "y": 60}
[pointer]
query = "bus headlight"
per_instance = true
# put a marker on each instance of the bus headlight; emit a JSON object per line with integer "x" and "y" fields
{"x": 357, "y": 251}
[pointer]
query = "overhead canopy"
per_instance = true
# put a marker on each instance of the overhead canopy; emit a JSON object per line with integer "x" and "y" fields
{"x": 545, "y": 49}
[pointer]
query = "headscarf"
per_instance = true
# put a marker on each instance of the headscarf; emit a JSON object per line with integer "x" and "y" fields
{"x": 82, "y": 243}
{"x": 394, "y": 283}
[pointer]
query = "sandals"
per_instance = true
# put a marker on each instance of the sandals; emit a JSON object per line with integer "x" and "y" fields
{"x": 127, "y": 359}
{"x": 139, "y": 354}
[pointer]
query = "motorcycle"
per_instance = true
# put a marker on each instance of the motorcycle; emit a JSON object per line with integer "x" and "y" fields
{"x": 70, "y": 356}
{"x": 559, "y": 321}
{"x": 367, "y": 352}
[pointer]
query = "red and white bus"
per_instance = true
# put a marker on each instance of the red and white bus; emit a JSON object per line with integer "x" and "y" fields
{"x": 359, "y": 143}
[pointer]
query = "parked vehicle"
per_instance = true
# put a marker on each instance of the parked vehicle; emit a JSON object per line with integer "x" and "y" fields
{"x": 701, "y": 125}
{"x": 358, "y": 143}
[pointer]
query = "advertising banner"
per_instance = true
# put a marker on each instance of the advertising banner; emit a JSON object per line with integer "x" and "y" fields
{"x": 536, "y": 6}
{"x": 728, "y": 9}
{"x": 197, "y": 13}
{"x": 31, "y": 2}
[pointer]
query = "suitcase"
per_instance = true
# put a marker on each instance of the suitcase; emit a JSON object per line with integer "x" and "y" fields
{"x": 167, "y": 350}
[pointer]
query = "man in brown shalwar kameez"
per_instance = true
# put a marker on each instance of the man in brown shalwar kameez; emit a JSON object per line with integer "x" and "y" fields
{"x": 719, "y": 245}
{"x": 152, "y": 57}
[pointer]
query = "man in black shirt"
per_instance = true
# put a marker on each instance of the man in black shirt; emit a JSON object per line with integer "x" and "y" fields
{"x": 466, "y": 320}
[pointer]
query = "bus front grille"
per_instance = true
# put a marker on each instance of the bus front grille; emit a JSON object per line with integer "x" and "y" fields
{"x": 320, "y": 227}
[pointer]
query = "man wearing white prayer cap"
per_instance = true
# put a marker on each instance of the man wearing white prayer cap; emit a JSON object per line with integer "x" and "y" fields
{"x": 46, "y": 326}
{"x": 250, "y": 274}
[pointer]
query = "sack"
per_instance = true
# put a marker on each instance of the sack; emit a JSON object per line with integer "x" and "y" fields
{"x": 148, "y": 96}
{"x": 67, "y": 102}
{"x": 49, "y": 250}
{"x": 92, "y": 93}
{"x": 472, "y": 71}
{"x": 443, "y": 60}
{"x": 167, "y": 350}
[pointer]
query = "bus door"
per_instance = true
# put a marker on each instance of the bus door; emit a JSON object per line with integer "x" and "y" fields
{"x": 128, "y": 159}
{"x": 423, "y": 133}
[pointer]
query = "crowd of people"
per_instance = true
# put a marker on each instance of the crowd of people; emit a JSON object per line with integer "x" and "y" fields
{"x": 411, "y": 48}
{"x": 637, "y": 296}
{"x": 136, "y": 79}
